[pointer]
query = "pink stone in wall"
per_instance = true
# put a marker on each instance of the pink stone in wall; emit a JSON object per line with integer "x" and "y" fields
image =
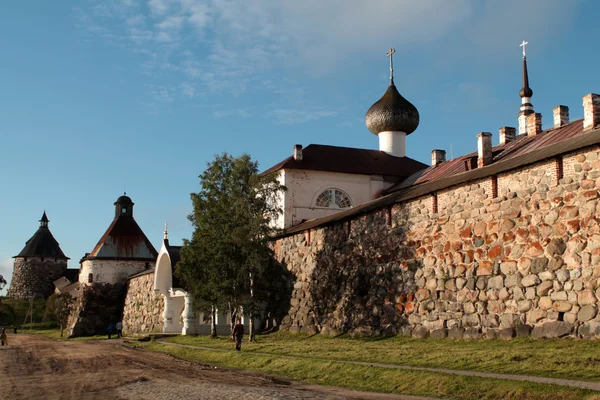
{"x": 522, "y": 234}
{"x": 535, "y": 249}
{"x": 485, "y": 268}
{"x": 559, "y": 229}
{"x": 495, "y": 252}
{"x": 491, "y": 238}
{"x": 480, "y": 228}
{"x": 573, "y": 226}
{"x": 466, "y": 232}
{"x": 569, "y": 212}
{"x": 508, "y": 237}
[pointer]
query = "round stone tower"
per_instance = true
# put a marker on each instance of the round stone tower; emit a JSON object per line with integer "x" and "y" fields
{"x": 37, "y": 266}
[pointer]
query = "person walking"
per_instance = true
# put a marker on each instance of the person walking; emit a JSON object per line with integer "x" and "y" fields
{"x": 119, "y": 328}
{"x": 238, "y": 334}
{"x": 110, "y": 329}
{"x": 3, "y": 337}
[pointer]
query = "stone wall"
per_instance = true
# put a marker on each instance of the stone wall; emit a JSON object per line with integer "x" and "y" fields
{"x": 143, "y": 308}
{"x": 511, "y": 255}
{"x": 98, "y": 305}
{"x": 33, "y": 277}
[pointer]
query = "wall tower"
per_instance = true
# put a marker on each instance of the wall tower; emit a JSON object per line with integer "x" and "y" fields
{"x": 37, "y": 266}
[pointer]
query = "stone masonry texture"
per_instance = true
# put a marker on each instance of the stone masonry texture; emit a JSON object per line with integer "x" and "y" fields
{"x": 523, "y": 261}
{"x": 97, "y": 306}
{"x": 143, "y": 308}
{"x": 33, "y": 277}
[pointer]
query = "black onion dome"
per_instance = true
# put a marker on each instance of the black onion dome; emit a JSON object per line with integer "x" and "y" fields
{"x": 392, "y": 112}
{"x": 124, "y": 200}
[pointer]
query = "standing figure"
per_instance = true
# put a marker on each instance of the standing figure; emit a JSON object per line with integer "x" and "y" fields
{"x": 119, "y": 327}
{"x": 110, "y": 329}
{"x": 238, "y": 334}
{"x": 3, "y": 337}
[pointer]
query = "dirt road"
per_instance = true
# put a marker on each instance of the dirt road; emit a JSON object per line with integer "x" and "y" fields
{"x": 35, "y": 367}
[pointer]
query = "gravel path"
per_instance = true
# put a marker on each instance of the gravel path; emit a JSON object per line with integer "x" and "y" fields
{"x": 35, "y": 367}
{"x": 537, "y": 379}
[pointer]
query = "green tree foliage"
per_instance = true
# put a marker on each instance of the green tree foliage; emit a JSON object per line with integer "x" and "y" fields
{"x": 59, "y": 307}
{"x": 234, "y": 215}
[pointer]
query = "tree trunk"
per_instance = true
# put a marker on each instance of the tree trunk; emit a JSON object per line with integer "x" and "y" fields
{"x": 251, "y": 329}
{"x": 213, "y": 322}
{"x": 233, "y": 314}
{"x": 61, "y": 330}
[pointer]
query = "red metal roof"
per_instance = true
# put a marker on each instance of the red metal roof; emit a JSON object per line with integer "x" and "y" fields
{"x": 521, "y": 145}
{"x": 124, "y": 239}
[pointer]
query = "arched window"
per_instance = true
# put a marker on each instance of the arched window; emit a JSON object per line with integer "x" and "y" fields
{"x": 333, "y": 198}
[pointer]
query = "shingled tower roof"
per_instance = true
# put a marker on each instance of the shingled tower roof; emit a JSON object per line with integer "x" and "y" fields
{"x": 42, "y": 243}
{"x": 124, "y": 239}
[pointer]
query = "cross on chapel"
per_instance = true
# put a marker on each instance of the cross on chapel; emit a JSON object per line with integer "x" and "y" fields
{"x": 523, "y": 46}
{"x": 390, "y": 54}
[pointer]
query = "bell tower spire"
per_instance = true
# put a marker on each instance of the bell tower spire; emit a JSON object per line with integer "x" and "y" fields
{"x": 526, "y": 93}
{"x": 124, "y": 206}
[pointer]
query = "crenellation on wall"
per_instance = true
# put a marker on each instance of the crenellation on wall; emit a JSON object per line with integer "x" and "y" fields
{"x": 522, "y": 263}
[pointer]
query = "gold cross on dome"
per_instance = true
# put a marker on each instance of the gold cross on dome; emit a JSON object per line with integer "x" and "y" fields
{"x": 390, "y": 54}
{"x": 523, "y": 46}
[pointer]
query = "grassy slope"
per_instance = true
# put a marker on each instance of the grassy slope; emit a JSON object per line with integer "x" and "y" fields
{"x": 375, "y": 379}
{"x": 20, "y": 307}
{"x": 566, "y": 359}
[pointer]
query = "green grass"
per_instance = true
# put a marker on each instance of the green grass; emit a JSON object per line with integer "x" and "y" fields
{"x": 369, "y": 378}
{"x": 565, "y": 358}
{"x": 20, "y": 308}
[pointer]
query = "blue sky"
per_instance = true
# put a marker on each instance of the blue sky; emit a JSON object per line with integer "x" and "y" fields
{"x": 99, "y": 96}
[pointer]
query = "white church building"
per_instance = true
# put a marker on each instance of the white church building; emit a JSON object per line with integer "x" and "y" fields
{"x": 320, "y": 180}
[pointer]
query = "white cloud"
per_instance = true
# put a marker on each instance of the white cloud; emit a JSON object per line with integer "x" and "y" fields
{"x": 159, "y": 7}
{"x": 298, "y": 116}
{"x": 232, "y": 46}
{"x": 188, "y": 89}
{"x": 172, "y": 23}
{"x": 240, "y": 112}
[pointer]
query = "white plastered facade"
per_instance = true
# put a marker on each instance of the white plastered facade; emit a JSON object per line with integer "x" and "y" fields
{"x": 305, "y": 186}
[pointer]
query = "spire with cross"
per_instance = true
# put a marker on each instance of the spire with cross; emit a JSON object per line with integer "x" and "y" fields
{"x": 523, "y": 44}
{"x": 390, "y": 54}
{"x": 166, "y": 230}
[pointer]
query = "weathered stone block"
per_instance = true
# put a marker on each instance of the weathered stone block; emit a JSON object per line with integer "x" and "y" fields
{"x": 439, "y": 334}
{"x": 554, "y": 329}
{"x": 586, "y": 313}
{"x": 530, "y": 280}
{"x": 544, "y": 287}
{"x": 589, "y": 329}
{"x": 506, "y": 333}
{"x": 420, "y": 332}
{"x": 456, "y": 333}
{"x": 586, "y": 297}
{"x": 523, "y": 330}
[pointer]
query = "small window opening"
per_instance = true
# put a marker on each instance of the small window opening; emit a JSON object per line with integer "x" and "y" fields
{"x": 90, "y": 278}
